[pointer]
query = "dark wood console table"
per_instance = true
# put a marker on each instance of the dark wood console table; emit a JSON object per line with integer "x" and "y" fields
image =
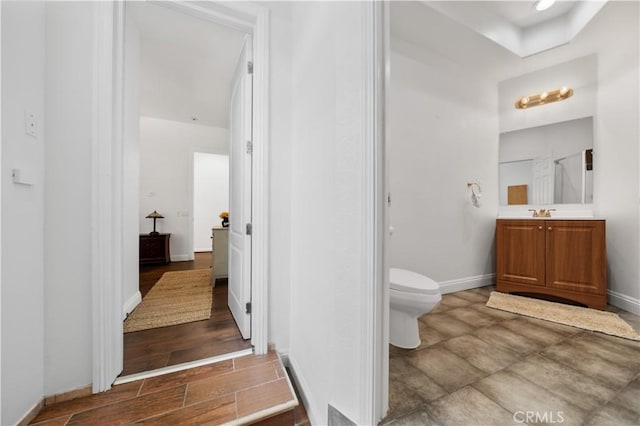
{"x": 154, "y": 249}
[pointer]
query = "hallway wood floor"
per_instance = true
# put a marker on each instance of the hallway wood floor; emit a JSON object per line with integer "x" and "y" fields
{"x": 160, "y": 347}
{"x": 246, "y": 390}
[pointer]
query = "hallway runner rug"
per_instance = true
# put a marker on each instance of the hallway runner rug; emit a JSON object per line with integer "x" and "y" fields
{"x": 178, "y": 297}
{"x": 575, "y": 316}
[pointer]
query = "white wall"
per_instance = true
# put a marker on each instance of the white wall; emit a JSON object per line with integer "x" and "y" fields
{"x": 131, "y": 168}
{"x": 443, "y": 128}
{"x": 281, "y": 181}
{"x": 210, "y": 196}
{"x": 616, "y": 165}
{"x": 67, "y": 208}
{"x": 22, "y": 290}
{"x": 327, "y": 245}
{"x": 166, "y": 176}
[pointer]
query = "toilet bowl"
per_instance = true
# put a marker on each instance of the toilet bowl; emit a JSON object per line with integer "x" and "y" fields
{"x": 411, "y": 296}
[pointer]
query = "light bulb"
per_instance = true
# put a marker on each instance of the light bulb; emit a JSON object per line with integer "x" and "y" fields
{"x": 544, "y": 4}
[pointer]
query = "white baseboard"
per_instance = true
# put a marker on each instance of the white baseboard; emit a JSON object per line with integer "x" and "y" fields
{"x": 181, "y": 257}
{"x": 467, "y": 283}
{"x": 303, "y": 389}
{"x": 625, "y": 302}
{"x": 131, "y": 304}
{"x": 284, "y": 357}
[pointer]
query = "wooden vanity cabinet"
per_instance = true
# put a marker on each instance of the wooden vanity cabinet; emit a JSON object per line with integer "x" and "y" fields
{"x": 559, "y": 258}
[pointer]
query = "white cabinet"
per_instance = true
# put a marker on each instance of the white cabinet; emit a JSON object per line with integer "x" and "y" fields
{"x": 220, "y": 256}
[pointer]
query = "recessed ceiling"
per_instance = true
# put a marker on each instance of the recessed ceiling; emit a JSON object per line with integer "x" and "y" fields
{"x": 186, "y": 65}
{"x": 524, "y": 14}
{"x": 517, "y": 26}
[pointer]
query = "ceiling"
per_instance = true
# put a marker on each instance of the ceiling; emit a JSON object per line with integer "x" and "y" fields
{"x": 420, "y": 30}
{"x": 517, "y": 26}
{"x": 523, "y": 13}
{"x": 186, "y": 65}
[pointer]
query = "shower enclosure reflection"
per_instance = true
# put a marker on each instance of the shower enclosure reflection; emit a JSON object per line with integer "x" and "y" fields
{"x": 551, "y": 164}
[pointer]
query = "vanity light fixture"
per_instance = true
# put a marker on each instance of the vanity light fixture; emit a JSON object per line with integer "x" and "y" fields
{"x": 543, "y": 98}
{"x": 544, "y": 4}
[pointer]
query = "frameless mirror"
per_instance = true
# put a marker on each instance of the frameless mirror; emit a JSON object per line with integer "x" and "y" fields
{"x": 551, "y": 164}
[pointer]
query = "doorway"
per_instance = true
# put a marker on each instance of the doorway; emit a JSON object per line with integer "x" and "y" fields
{"x": 182, "y": 259}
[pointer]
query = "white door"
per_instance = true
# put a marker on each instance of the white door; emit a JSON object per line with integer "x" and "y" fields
{"x": 543, "y": 180}
{"x": 240, "y": 192}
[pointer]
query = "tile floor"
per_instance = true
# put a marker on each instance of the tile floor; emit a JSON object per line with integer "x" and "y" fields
{"x": 213, "y": 394}
{"x": 481, "y": 366}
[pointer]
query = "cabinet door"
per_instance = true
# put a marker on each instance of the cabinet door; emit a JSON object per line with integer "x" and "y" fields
{"x": 576, "y": 259}
{"x": 520, "y": 250}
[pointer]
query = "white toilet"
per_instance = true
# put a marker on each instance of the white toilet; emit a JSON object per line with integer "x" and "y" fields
{"x": 412, "y": 295}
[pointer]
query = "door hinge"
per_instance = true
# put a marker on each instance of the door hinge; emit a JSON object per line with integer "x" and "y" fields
{"x": 248, "y": 308}
{"x": 249, "y": 147}
{"x": 250, "y": 67}
{"x": 249, "y": 229}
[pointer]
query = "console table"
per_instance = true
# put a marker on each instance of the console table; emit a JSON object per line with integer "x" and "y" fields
{"x": 219, "y": 252}
{"x": 154, "y": 249}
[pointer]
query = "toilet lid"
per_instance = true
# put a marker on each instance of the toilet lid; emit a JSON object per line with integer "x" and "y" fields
{"x": 412, "y": 282}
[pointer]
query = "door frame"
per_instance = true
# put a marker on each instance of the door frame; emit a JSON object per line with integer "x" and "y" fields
{"x": 107, "y": 174}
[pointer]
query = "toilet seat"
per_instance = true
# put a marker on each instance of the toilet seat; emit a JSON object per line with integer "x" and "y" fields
{"x": 406, "y": 281}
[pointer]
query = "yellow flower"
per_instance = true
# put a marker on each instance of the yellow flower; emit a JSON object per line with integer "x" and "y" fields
{"x": 224, "y": 215}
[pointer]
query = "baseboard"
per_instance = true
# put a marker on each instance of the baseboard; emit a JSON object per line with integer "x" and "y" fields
{"x": 625, "y": 302}
{"x": 202, "y": 250}
{"x": 181, "y": 257}
{"x": 467, "y": 283}
{"x": 303, "y": 389}
{"x": 131, "y": 304}
{"x": 31, "y": 414}
{"x": 69, "y": 395}
{"x": 284, "y": 357}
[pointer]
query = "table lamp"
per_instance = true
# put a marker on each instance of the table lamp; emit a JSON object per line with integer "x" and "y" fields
{"x": 154, "y": 215}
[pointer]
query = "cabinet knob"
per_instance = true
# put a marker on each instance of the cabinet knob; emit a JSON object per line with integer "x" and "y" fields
{"x": 540, "y": 227}
{"x": 549, "y": 229}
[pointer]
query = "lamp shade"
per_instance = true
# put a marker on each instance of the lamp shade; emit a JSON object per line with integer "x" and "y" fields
{"x": 154, "y": 215}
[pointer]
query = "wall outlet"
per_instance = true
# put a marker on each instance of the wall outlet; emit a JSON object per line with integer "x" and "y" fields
{"x": 30, "y": 124}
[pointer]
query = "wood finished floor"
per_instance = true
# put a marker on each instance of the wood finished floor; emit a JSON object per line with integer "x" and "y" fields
{"x": 212, "y": 394}
{"x": 160, "y": 347}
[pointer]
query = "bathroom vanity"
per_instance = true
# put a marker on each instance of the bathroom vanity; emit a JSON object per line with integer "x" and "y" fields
{"x": 560, "y": 258}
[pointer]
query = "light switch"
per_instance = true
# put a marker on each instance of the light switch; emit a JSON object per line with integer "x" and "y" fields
{"x": 23, "y": 177}
{"x": 30, "y": 124}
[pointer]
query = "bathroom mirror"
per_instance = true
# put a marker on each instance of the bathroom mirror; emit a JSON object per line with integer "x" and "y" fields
{"x": 551, "y": 164}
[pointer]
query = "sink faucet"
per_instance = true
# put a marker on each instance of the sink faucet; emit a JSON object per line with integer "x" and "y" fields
{"x": 542, "y": 212}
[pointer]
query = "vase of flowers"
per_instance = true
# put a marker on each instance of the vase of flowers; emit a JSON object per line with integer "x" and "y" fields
{"x": 225, "y": 219}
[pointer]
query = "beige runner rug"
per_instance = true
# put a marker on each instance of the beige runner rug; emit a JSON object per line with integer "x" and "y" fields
{"x": 177, "y": 298}
{"x": 576, "y": 316}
